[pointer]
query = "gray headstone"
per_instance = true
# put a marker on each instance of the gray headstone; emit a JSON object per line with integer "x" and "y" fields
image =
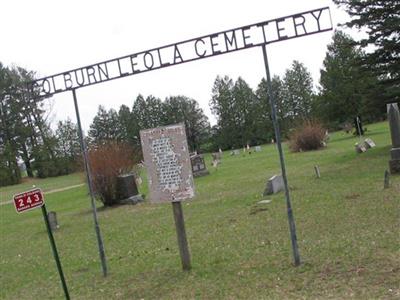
{"x": 236, "y": 152}
{"x": 126, "y": 186}
{"x": 360, "y": 148}
{"x": 317, "y": 172}
{"x": 394, "y": 123}
{"x": 216, "y": 155}
{"x": 369, "y": 143}
{"x": 274, "y": 185}
{"x": 257, "y": 148}
{"x": 52, "y": 217}
{"x": 198, "y": 165}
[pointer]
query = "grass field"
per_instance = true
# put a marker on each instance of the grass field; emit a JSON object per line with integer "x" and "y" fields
{"x": 347, "y": 228}
{"x": 48, "y": 184}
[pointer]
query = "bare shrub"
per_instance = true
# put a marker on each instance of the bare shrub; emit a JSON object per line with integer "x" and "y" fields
{"x": 309, "y": 135}
{"x": 107, "y": 162}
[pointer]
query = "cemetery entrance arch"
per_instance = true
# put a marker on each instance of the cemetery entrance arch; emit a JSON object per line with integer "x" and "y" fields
{"x": 255, "y": 35}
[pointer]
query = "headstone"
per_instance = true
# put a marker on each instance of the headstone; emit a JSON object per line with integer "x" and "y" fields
{"x": 264, "y": 201}
{"x": 198, "y": 165}
{"x": 369, "y": 143}
{"x": 216, "y": 158}
{"x": 216, "y": 155}
{"x": 127, "y": 192}
{"x": 316, "y": 168}
{"x": 52, "y": 217}
{"x": 360, "y": 147}
{"x": 274, "y": 185}
{"x": 394, "y": 122}
{"x": 236, "y": 152}
{"x": 166, "y": 156}
{"x": 139, "y": 180}
{"x": 257, "y": 148}
{"x": 386, "y": 180}
{"x": 358, "y": 125}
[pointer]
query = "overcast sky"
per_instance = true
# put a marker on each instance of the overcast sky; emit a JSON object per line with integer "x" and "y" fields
{"x": 50, "y": 37}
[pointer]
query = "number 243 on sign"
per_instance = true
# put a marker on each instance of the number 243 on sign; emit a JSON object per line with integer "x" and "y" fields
{"x": 28, "y": 200}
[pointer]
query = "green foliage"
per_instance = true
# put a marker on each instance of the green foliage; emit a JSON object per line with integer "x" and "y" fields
{"x": 181, "y": 109}
{"x": 297, "y": 93}
{"x": 381, "y": 21}
{"x": 104, "y": 126}
{"x": 23, "y": 124}
{"x": 347, "y": 90}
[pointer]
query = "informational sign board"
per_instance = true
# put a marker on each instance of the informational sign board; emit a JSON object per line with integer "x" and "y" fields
{"x": 166, "y": 156}
{"x": 28, "y": 200}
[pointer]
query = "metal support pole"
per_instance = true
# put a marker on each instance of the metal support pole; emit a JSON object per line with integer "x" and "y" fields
{"x": 55, "y": 253}
{"x": 89, "y": 181}
{"x": 292, "y": 226}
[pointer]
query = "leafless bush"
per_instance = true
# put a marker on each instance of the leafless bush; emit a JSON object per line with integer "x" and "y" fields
{"x": 309, "y": 135}
{"x": 107, "y": 161}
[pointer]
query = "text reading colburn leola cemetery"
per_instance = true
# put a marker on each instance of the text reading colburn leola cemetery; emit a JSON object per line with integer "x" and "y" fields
{"x": 257, "y": 34}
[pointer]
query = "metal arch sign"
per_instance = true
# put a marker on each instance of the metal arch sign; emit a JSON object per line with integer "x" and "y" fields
{"x": 261, "y": 33}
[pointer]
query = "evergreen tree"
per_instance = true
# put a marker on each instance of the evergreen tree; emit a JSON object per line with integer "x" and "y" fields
{"x": 381, "y": 20}
{"x": 128, "y": 127}
{"x": 265, "y": 124}
{"x": 223, "y": 107}
{"x": 68, "y": 144}
{"x": 183, "y": 109}
{"x": 25, "y": 132}
{"x": 245, "y": 112}
{"x": 105, "y": 126}
{"x": 148, "y": 113}
{"x": 297, "y": 93}
{"x": 347, "y": 90}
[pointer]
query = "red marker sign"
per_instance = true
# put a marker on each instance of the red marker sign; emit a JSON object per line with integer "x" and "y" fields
{"x": 28, "y": 200}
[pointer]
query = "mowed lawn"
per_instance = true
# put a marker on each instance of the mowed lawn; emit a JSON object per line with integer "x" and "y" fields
{"x": 347, "y": 228}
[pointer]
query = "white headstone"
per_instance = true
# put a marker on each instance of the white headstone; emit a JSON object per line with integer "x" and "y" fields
{"x": 274, "y": 185}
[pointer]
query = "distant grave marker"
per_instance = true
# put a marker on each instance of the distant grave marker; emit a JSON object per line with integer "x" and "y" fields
{"x": 369, "y": 143}
{"x": 257, "y": 148}
{"x": 317, "y": 172}
{"x": 274, "y": 185}
{"x": 198, "y": 165}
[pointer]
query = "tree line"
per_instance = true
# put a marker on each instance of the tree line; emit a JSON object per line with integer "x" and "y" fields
{"x": 347, "y": 88}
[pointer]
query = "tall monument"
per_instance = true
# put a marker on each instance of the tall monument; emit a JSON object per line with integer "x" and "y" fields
{"x": 394, "y": 123}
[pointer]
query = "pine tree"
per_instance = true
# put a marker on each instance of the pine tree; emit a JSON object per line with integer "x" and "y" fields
{"x": 179, "y": 109}
{"x": 347, "y": 90}
{"x": 297, "y": 93}
{"x": 381, "y": 21}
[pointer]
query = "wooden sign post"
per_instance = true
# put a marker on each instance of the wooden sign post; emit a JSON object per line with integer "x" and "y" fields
{"x": 169, "y": 173}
